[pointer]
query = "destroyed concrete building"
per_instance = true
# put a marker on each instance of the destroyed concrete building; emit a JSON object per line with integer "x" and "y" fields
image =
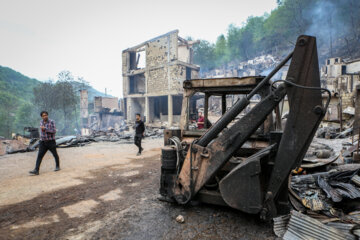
{"x": 341, "y": 78}
{"x": 106, "y": 114}
{"x": 153, "y": 73}
{"x": 340, "y": 75}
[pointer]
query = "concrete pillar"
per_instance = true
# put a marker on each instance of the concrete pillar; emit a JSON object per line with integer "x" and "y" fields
{"x": 147, "y": 112}
{"x": 170, "y": 110}
{"x": 128, "y": 110}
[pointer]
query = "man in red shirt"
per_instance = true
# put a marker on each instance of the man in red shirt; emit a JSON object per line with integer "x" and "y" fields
{"x": 200, "y": 121}
{"x": 47, "y": 142}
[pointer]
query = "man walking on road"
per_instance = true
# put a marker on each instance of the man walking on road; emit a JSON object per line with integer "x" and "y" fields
{"x": 47, "y": 142}
{"x": 139, "y": 133}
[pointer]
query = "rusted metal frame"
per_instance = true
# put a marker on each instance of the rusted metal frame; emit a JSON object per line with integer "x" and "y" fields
{"x": 222, "y": 82}
{"x": 227, "y": 90}
{"x": 208, "y": 161}
{"x": 305, "y": 115}
{"x": 184, "y": 120}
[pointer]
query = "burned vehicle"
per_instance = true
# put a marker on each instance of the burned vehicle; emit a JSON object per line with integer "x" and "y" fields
{"x": 244, "y": 159}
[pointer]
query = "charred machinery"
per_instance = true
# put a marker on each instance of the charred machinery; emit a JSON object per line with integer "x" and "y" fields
{"x": 244, "y": 160}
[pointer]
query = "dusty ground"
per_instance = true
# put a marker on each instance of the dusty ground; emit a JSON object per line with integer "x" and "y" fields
{"x": 105, "y": 192}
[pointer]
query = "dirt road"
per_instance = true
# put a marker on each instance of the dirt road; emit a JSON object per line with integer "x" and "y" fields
{"x": 104, "y": 191}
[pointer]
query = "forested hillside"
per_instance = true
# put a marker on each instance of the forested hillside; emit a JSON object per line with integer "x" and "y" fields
{"x": 22, "y": 98}
{"x": 336, "y": 24}
{"x": 20, "y": 86}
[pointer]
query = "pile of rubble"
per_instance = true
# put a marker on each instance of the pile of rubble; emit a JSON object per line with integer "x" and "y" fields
{"x": 324, "y": 193}
{"x": 13, "y": 145}
{"x": 253, "y": 67}
{"x": 111, "y": 135}
{"x": 333, "y": 132}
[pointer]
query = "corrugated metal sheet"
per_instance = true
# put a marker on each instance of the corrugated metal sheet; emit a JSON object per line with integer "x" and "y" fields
{"x": 280, "y": 225}
{"x": 357, "y": 233}
{"x": 302, "y": 227}
{"x": 351, "y": 191}
{"x": 345, "y": 227}
{"x": 356, "y": 179}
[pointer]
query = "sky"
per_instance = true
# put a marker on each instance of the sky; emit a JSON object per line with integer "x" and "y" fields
{"x": 40, "y": 38}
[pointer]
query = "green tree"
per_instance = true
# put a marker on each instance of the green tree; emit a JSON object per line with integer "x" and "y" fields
{"x": 26, "y": 116}
{"x": 220, "y": 51}
{"x": 45, "y": 97}
{"x": 66, "y": 100}
{"x": 233, "y": 41}
{"x": 60, "y": 100}
{"x": 204, "y": 55}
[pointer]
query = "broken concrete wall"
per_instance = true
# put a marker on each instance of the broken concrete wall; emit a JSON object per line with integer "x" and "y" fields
{"x": 184, "y": 53}
{"x": 110, "y": 102}
{"x": 347, "y": 100}
{"x": 135, "y": 105}
{"x": 157, "y": 81}
{"x": 137, "y": 84}
{"x": 105, "y": 102}
{"x": 177, "y": 75}
{"x": 194, "y": 74}
{"x": 353, "y": 67}
{"x": 162, "y": 50}
{"x": 97, "y": 104}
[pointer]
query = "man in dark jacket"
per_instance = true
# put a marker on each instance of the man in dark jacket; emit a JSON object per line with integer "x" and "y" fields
{"x": 47, "y": 142}
{"x": 139, "y": 133}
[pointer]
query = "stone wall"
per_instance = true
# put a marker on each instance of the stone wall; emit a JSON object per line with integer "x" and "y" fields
{"x": 177, "y": 76}
{"x": 347, "y": 100}
{"x": 157, "y": 81}
{"x": 161, "y": 51}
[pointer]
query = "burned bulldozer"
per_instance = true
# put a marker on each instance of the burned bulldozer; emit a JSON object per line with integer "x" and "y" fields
{"x": 244, "y": 162}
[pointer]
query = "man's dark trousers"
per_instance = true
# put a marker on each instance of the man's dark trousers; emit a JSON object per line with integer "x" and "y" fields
{"x": 43, "y": 148}
{"x": 137, "y": 141}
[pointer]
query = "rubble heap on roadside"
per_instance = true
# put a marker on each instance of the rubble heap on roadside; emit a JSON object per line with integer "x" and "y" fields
{"x": 123, "y": 135}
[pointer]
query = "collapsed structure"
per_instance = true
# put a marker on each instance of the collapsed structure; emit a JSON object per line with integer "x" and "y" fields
{"x": 340, "y": 77}
{"x": 254, "y": 67}
{"x": 106, "y": 113}
{"x": 153, "y": 73}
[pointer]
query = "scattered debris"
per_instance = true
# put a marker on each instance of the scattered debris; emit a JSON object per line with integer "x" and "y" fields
{"x": 125, "y": 134}
{"x": 301, "y": 226}
{"x": 280, "y": 224}
{"x": 333, "y": 132}
{"x": 180, "y": 219}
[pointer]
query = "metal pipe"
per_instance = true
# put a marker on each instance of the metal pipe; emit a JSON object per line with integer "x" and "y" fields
{"x": 237, "y": 107}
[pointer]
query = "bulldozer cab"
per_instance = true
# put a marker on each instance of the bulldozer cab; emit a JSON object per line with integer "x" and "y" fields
{"x": 197, "y": 97}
